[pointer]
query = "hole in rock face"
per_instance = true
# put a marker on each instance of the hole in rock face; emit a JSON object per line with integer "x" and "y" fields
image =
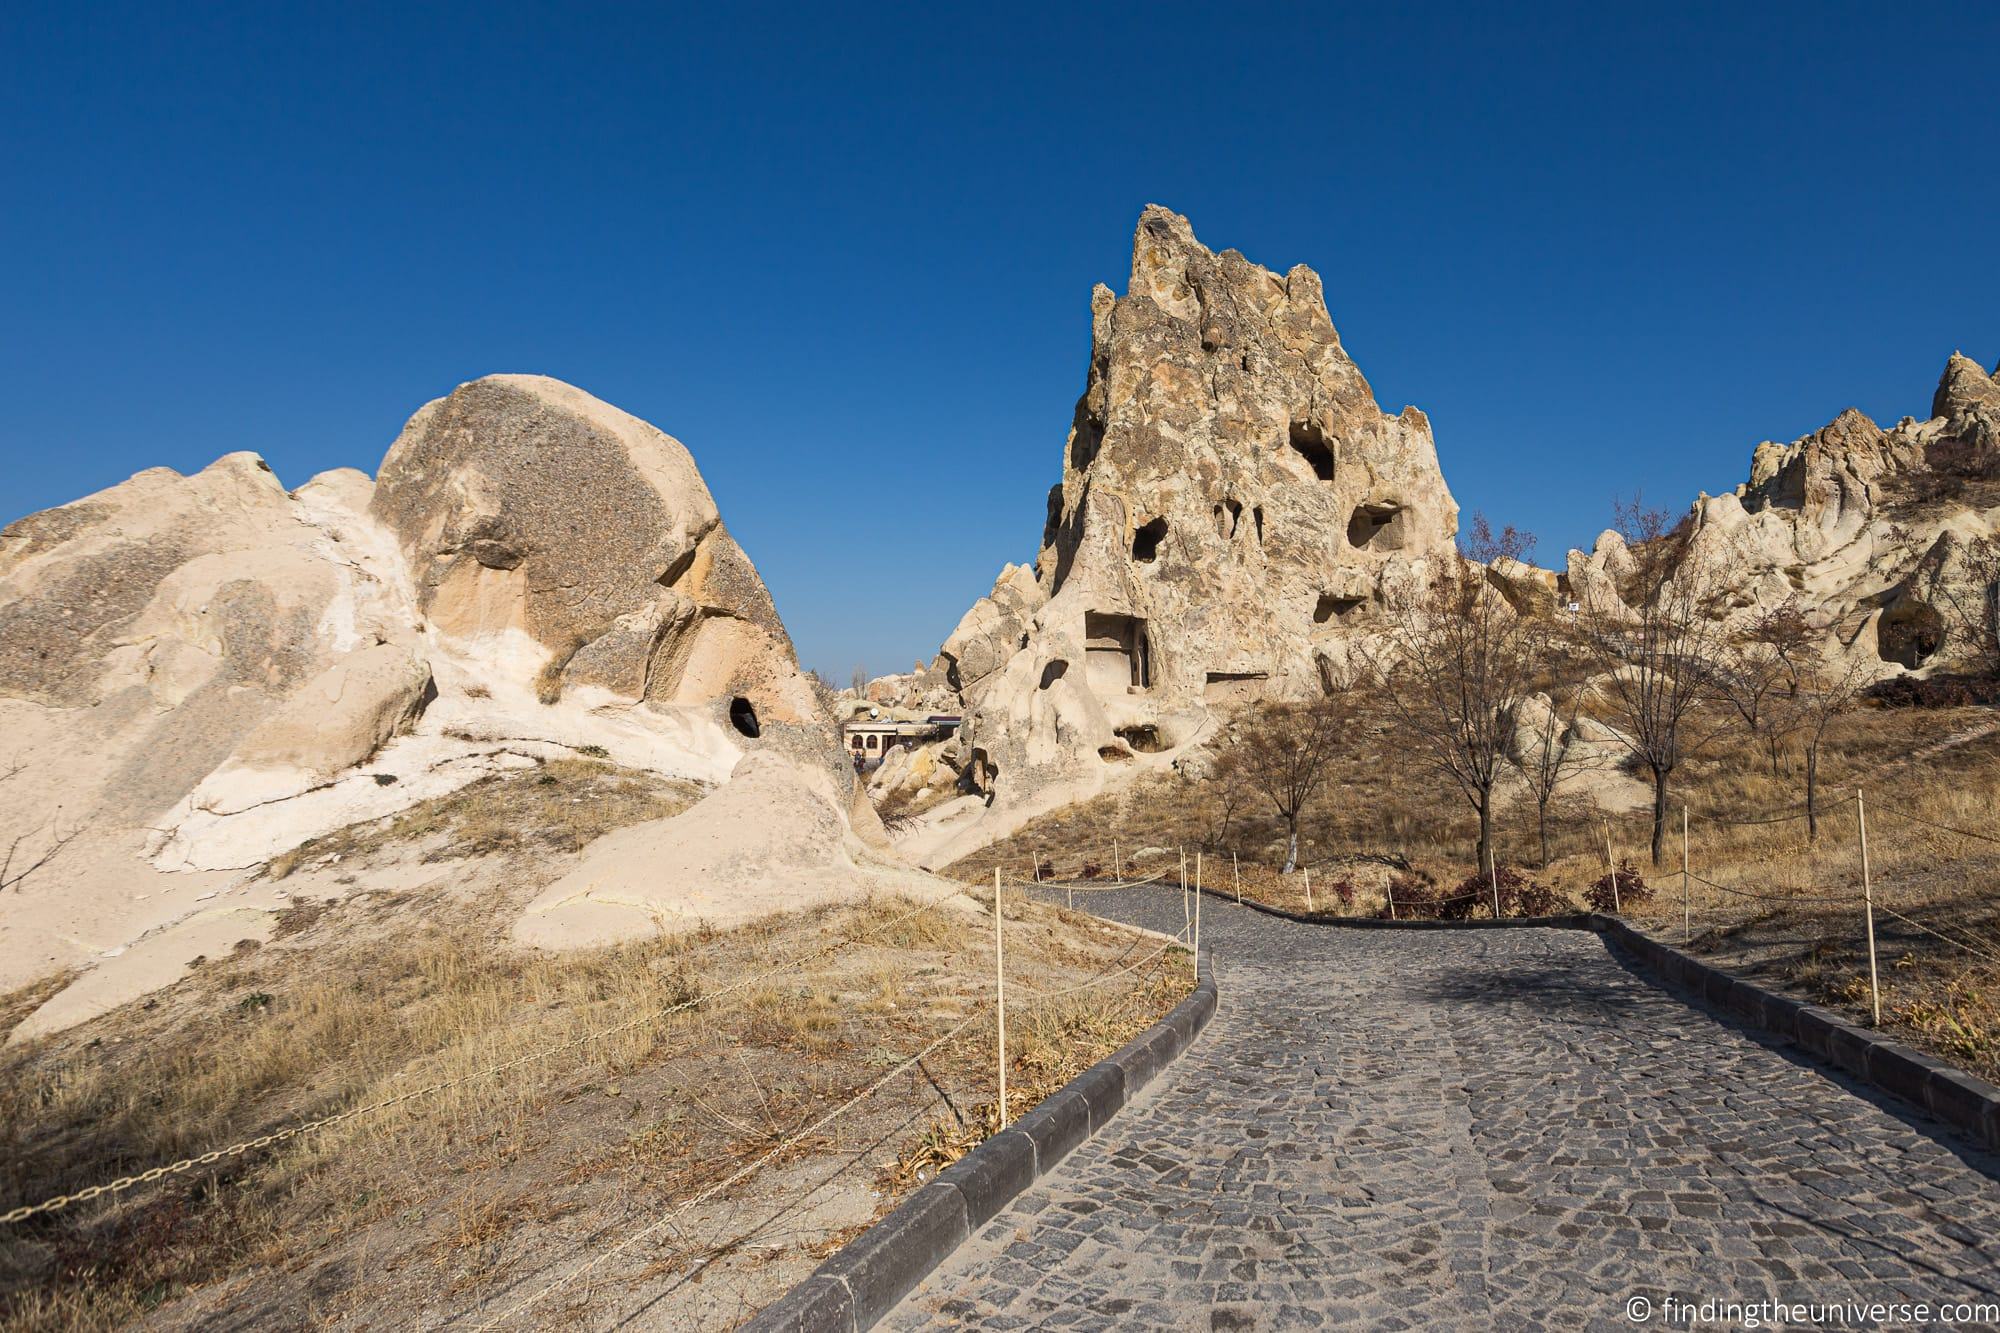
{"x": 1235, "y": 508}
{"x": 1114, "y": 754}
{"x": 1909, "y": 633}
{"x": 743, "y": 717}
{"x": 1378, "y": 525}
{"x": 1309, "y": 442}
{"x": 1332, "y": 608}
{"x": 1257, "y": 514}
{"x": 1233, "y": 686}
{"x": 1116, "y": 655}
{"x": 1052, "y": 673}
{"x": 1146, "y": 541}
{"x": 1142, "y": 736}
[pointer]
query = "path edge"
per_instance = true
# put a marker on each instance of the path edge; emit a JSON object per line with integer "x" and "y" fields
{"x": 864, "y": 1279}
{"x": 1964, "y": 1101}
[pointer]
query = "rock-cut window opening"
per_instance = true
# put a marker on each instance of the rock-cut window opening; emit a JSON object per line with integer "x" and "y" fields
{"x": 743, "y": 717}
{"x": 1146, "y": 541}
{"x": 1053, "y": 672}
{"x": 1117, "y": 656}
{"x": 1331, "y": 607}
{"x": 1377, "y": 525}
{"x": 1309, "y": 442}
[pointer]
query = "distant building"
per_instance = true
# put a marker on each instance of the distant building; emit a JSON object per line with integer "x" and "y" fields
{"x": 868, "y": 739}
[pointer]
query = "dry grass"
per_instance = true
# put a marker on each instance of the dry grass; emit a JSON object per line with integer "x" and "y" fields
{"x": 560, "y": 805}
{"x": 469, "y": 1181}
{"x": 1382, "y": 814}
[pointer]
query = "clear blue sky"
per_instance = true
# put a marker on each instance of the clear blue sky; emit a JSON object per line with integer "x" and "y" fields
{"x": 845, "y": 255}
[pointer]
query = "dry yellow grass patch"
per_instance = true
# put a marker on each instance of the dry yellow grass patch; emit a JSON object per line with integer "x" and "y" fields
{"x": 723, "y": 1045}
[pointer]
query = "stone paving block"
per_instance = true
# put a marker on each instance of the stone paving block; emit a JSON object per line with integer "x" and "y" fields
{"x": 1474, "y": 1129}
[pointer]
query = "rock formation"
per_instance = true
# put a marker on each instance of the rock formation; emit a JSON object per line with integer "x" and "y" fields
{"x": 1882, "y": 536}
{"x": 203, "y": 672}
{"x": 1233, "y": 509}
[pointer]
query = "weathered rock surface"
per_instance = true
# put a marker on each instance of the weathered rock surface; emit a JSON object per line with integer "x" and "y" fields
{"x": 203, "y": 672}
{"x": 1879, "y": 535}
{"x": 1233, "y": 506}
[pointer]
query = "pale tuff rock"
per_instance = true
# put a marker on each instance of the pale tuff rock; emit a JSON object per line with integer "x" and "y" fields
{"x": 772, "y": 838}
{"x": 1234, "y": 508}
{"x": 527, "y": 507}
{"x": 204, "y": 672}
{"x": 1838, "y": 524}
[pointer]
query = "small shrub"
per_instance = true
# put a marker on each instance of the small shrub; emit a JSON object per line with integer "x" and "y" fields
{"x": 385, "y": 779}
{"x": 1631, "y": 890}
{"x": 1091, "y": 870}
{"x": 593, "y": 752}
{"x": 1519, "y": 896}
{"x": 1342, "y": 890}
{"x": 1045, "y": 870}
{"x": 1412, "y": 896}
{"x": 1944, "y": 691}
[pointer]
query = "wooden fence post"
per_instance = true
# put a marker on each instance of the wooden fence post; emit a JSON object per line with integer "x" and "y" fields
{"x": 1194, "y": 954}
{"x": 1868, "y": 906}
{"x": 1687, "y": 899}
{"x": 1000, "y": 994}
{"x": 1611, "y": 867}
{"x": 1236, "y": 871}
{"x": 1309, "y": 889}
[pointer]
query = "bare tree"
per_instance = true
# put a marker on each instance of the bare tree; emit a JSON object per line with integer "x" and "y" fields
{"x": 859, "y": 680}
{"x": 1661, "y": 651}
{"x": 1826, "y": 690}
{"x": 1283, "y": 753}
{"x": 1227, "y": 789}
{"x": 1462, "y": 657}
{"x": 1546, "y": 750}
{"x": 1760, "y": 671}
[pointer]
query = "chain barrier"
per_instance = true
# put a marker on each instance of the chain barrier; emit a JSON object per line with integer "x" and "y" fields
{"x": 741, "y": 1173}
{"x": 186, "y": 1164}
{"x": 1972, "y": 949}
{"x": 1901, "y": 813}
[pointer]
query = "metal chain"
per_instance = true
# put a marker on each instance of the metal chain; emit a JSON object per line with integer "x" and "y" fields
{"x": 186, "y": 1164}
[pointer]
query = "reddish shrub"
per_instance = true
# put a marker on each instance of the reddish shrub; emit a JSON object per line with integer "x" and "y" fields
{"x": 1413, "y": 896}
{"x": 1091, "y": 870}
{"x": 1519, "y": 896}
{"x": 1631, "y": 890}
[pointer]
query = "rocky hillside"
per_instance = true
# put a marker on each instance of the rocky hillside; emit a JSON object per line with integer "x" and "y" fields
{"x": 1885, "y": 538}
{"x": 1234, "y": 507}
{"x": 199, "y": 674}
{"x": 1236, "y": 515}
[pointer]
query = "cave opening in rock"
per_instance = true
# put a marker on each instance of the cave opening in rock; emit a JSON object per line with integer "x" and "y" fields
{"x": 1309, "y": 442}
{"x": 1233, "y": 687}
{"x": 1377, "y": 525}
{"x": 1053, "y": 672}
{"x": 1257, "y": 515}
{"x": 1141, "y": 736}
{"x": 743, "y": 717}
{"x": 1117, "y": 656}
{"x": 1331, "y": 607}
{"x": 1909, "y": 633}
{"x": 1146, "y": 541}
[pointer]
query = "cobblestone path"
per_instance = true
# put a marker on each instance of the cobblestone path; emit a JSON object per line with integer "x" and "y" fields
{"x": 1469, "y": 1129}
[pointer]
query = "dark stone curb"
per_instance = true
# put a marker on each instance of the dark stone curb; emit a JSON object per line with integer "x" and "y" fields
{"x": 865, "y": 1279}
{"x": 1967, "y": 1103}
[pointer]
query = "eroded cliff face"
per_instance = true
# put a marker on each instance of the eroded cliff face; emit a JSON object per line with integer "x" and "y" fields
{"x": 200, "y": 673}
{"x": 1881, "y": 536}
{"x": 1234, "y": 511}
